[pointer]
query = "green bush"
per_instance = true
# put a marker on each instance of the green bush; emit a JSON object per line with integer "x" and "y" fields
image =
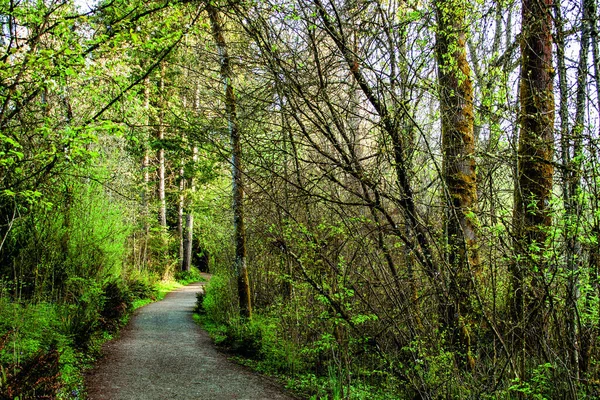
{"x": 244, "y": 338}
{"x": 43, "y": 345}
{"x": 79, "y": 323}
{"x": 199, "y": 308}
{"x": 191, "y": 276}
{"x": 219, "y": 299}
{"x": 36, "y": 356}
{"x": 37, "y": 377}
{"x": 79, "y": 314}
{"x": 140, "y": 289}
{"x": 79, "y": 234}
{"x": 117, "y": 304}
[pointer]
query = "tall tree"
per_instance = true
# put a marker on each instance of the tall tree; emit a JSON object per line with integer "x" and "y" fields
{"x": 241, "y": 268}
{"x": 532, "y": 217}
{"x": 458, "y": 144}
{"x": 572, "y": 161}
{"x": 188, "y": 230}
{"x": 160, "y": 136}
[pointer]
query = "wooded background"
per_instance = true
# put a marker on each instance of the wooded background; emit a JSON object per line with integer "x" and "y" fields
{"x": 396, "y": 198}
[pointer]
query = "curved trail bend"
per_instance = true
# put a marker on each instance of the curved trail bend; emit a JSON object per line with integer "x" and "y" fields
{"x": 162, "y": 354}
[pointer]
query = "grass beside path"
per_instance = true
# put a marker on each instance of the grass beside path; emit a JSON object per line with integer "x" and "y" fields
{"x": 46, "y": 346}
{"x": 160, "y": 289}
{"x": 163, "y": 287}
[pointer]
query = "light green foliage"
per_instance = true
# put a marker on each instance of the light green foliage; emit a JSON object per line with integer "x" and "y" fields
{"x": 217, "y": 302}
{"x": 81, "y": 237}
{"x": 187, "y": 277}
{"x": 74, "y": 254}
{"x": 28, "y": 330}
{"x": 39, "y": 132}
{"x": 267, "y": 344}
{"x": 431, "y": 371}
{"x": 212, "y": 221}
{"x": 539, "y": 386}
{"x": 73, "y": 328}
{"x": 345, "y": 303}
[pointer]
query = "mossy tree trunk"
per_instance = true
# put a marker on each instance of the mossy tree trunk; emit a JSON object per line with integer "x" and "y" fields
{"x": 533, "y": 188}
{"x": 458, "y": 144}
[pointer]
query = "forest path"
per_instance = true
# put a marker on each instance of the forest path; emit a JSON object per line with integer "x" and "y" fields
{"x": 163, "y": 354}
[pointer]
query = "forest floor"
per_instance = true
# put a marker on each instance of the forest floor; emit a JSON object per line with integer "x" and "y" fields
{"x": 163, "y": 354}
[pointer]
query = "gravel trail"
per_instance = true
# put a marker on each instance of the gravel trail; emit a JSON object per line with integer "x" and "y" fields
{"x": 163, "y": 354}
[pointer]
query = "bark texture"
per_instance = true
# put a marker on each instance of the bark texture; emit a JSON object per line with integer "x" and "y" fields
{"x": 534, "y": 172}
{"x": 188, "y": 231}
{"x": 160, "y": 133}
{"x": 186, "y": 263}
{"x": 180, "y": 210}
{"x": 236, "y": 162}
{"x": 458, "y": 144}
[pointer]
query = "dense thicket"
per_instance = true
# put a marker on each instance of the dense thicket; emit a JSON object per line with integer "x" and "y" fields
{"x": 397, "y": 199}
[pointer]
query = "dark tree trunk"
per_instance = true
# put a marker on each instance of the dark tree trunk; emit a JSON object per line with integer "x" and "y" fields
{"x": 533, "y": 189}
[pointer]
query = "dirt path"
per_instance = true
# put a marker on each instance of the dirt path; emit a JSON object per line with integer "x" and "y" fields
{"x": 163, "y": 354}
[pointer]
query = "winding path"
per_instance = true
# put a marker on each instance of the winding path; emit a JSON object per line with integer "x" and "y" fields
{"x": 162, "y": 354}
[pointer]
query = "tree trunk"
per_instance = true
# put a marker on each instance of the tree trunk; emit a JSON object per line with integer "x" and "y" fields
{"x": 236, "y": 162}
{"x": 160, "y": 130}
{"x": 180, "y": 217}
{"x": 188, "y": 232}
{"x": 187, "y": 242}
{"x": 458, "y": 144}
{"x": 533, "y": 189}
{"x": 146, "y": 177}
{"x": 589, "y": 341}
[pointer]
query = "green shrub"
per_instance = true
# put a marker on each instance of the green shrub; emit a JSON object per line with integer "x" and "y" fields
{"x": 244, "y": 338}
{"x": 219, "y": 299}
{"x": 79, "y": 323}
{"x": 191, "y": 276}
{"x": 36, "y": 354}
{"x": 81, "y": 235}
{"x": 139, "y": 289}
{"x": 79, "y": 315}
{"x": 199, "y": 308}
{"x": 117, "y": 303}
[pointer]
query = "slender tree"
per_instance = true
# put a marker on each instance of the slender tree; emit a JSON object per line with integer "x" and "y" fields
{"x": 160, "y": 137}
{"x": 180, "y": 211}
{"x": 241, "y": 268}
{"x": 188, "y": 230}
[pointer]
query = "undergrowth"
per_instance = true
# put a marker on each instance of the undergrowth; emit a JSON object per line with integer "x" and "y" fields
{"x": 45, "y": 346}
{"x": 191, "y": 276}
{"x": 263, "y": 345}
